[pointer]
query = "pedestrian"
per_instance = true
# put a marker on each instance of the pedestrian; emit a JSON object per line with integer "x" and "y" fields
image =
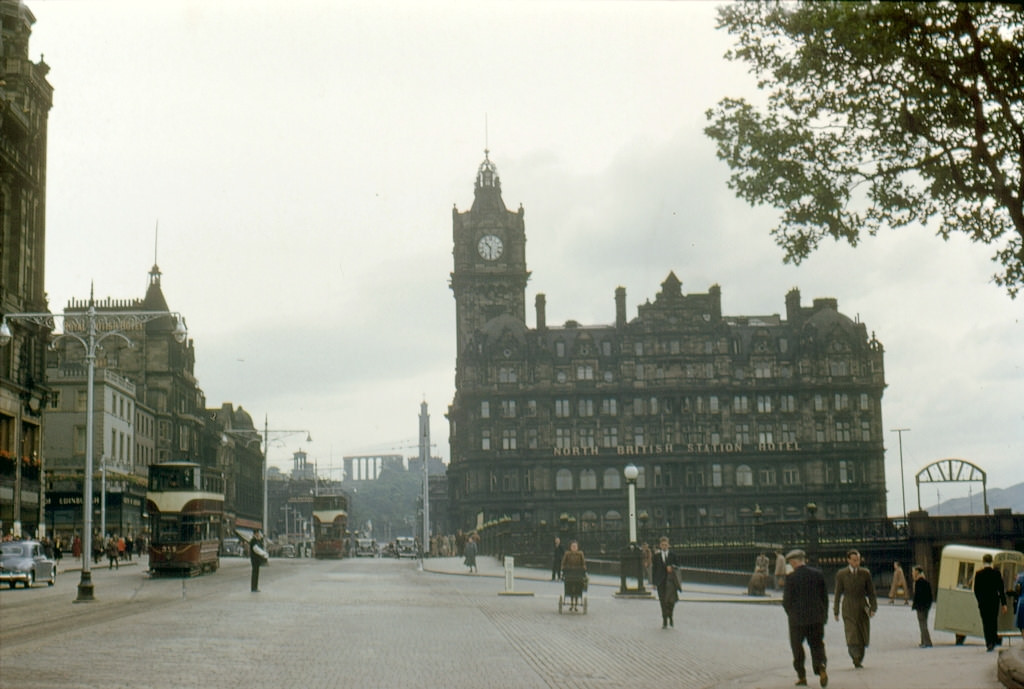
{"x": 258, "y": 557}
{"x": 855, "y": 591}
{"x": 990, "y": 593}
{"x": 780, "y": 570}
{"x": 665, "y": 577}
{"x": 805, "y": 600}
{"x": 759, "y": 579}
{"x": 470, "y": 550}
{"x": 112, "y": 554}
{"x": 128, "y": 547}
{"x": 120, "y": 547}
{"x": 574, "y": 560}
{"x": 76, "y": 547}
{"x": 1018, "y": 591}
{"x": 556, "y": 559}
{"x": 922, "y": 604}
{"x": 647, "y": 555}
{"x": 899, "y": 585}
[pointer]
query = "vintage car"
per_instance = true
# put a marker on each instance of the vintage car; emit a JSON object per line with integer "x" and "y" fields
{"x": 366, "y": 547}
{"x": 405, "y": 547}
{"x": 26, "y": 561}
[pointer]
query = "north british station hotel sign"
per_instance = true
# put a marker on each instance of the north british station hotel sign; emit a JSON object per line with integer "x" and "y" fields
{"x": 690, "y": 449}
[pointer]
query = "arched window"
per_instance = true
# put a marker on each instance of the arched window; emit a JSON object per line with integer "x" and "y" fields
{"x": 563, "y": 480}
{"x": 612, "y": 479}
{"x": 744, "y": 476}
{"x": 588, "y": 480}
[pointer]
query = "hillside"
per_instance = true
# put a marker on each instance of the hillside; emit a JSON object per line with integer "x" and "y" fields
{"x": 1012, "y": 497}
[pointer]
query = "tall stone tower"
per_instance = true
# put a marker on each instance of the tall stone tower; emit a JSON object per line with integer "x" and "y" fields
{"x": 489, "y": 277}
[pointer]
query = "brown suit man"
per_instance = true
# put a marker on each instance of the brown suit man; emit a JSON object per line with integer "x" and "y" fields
{"x": 856, "y": 592}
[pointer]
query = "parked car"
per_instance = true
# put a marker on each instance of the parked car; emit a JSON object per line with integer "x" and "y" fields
{"x": 366, "y": 547}
{"x": 405, "y": 547}
{"x": 232, "y": 547}
{"x": 26, "y": 561}
{"x": 288, "y": 550}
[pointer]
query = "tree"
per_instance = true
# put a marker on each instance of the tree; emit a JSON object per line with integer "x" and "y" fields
{"x": 880, "y": 114}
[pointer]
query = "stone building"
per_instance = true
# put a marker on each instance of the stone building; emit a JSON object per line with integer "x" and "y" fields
{"x": 729, "y": 419}
{"x": 25, "y": 101}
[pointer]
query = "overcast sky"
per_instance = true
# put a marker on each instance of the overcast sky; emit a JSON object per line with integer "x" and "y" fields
{"x": 302, "y": 160}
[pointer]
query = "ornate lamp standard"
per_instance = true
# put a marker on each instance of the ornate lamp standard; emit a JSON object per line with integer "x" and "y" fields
{"x": 94, "y": 328}
{"x": 631, "y": 561}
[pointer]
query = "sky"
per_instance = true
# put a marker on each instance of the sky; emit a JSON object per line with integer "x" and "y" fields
{"x": 292, "y": 166}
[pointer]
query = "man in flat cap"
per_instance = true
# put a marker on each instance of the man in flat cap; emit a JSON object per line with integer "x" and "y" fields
{"x": 805, "y": 601}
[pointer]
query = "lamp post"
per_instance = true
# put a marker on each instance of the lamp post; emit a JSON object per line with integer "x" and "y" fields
{"x": 95, "y": 328}
{"x": 266, "y": 440}
{"x": 903, "y": 491}
{"x": 631, "y": 562}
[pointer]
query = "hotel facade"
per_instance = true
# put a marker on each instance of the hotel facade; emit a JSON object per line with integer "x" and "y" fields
{"x": 729, "y": 419}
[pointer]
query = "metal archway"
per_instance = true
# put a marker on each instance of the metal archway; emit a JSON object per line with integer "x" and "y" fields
{"x": 952, "y": 471}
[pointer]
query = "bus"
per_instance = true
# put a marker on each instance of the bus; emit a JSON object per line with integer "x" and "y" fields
{"x": 185, "y": 502}
{"x": 330, "y": 524}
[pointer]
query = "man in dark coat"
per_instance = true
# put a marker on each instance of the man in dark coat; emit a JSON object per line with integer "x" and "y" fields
{"x": 556, "y": 559}
{"x": 856, "y": 591}
{"x": 666, "y": 580}
{"x": 991, "y": 596}
{"x": 922, "y": 604}
{"x": 805, "y": 601}
{"x": 256, "y": 559}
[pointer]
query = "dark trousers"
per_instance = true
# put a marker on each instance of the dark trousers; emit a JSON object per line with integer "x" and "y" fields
{"x": 254, "y": 583}
{"x": 989, "y": 622}
{"x": 668, "y": 597}
{"x": 815, "y": 635}
{"x": 922, "y": 622}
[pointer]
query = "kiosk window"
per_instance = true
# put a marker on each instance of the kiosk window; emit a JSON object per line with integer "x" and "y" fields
{"x": 965, "y": 576}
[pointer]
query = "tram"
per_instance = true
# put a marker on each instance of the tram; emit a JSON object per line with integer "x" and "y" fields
{"x": 330, "y": 524}
{"x": 185, "y": 502}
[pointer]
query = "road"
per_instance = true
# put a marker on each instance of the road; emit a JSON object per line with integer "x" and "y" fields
{"x": 388, "y": 623}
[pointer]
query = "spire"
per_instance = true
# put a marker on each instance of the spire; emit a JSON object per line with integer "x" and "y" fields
{"x": 487, "y": 194}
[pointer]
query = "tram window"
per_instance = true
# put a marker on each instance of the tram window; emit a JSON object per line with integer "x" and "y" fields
{"x": 965, "y": 576}
{"x": 168, "y": 530}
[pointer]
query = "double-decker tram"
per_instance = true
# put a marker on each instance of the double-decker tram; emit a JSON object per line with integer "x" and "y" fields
{"x": 330, "y": 524}
{"x": 185, "y": 502}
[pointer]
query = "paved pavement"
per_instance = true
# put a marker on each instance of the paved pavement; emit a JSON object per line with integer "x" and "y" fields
{"x": 388, "y": 623}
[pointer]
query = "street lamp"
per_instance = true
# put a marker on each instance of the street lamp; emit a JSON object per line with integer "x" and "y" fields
{"x": 266, "y": 441}
{"x": 631, "y": 560}
{"x": 903, "y": 491}
{"x": 95, "y": 329}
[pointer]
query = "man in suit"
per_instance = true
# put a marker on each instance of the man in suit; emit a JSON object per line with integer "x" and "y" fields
{"x": 922, "y": 604}
{"x": 666, "y": 580}
{"x": 990, "y": 593}
{"x": 805, "y": 601}
{"x": 856, "y": 592}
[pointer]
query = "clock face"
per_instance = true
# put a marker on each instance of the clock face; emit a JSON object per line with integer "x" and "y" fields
{"x": 490, "y": 247}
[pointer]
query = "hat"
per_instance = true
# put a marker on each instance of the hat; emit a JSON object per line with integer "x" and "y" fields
{"x": 796, "y": 554}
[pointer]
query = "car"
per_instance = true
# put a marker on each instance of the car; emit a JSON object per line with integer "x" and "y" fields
{"x": 288, "y": 550}
{"x": 232, "y": 547}
{"x": 27, "y": 562}
{"x": 366, "y": 547}
{"x": 405, "y": 547}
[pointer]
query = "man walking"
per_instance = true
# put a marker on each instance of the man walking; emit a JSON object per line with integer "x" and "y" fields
{"x": 856, "y": 592}
{"x": 991, "y": 596}
{"x": 666, "y": 580}
{"x": 805, "y": 601}
{"x": 922, "y": 604}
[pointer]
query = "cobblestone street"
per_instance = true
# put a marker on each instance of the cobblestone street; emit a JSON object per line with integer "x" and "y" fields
{"x": 387, "y": 623}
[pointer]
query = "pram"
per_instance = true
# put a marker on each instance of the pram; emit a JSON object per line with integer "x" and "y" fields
{"x": 575, "y": 585}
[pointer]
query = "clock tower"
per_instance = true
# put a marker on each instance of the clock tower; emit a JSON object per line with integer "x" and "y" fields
{"x": 489, "y": 278}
